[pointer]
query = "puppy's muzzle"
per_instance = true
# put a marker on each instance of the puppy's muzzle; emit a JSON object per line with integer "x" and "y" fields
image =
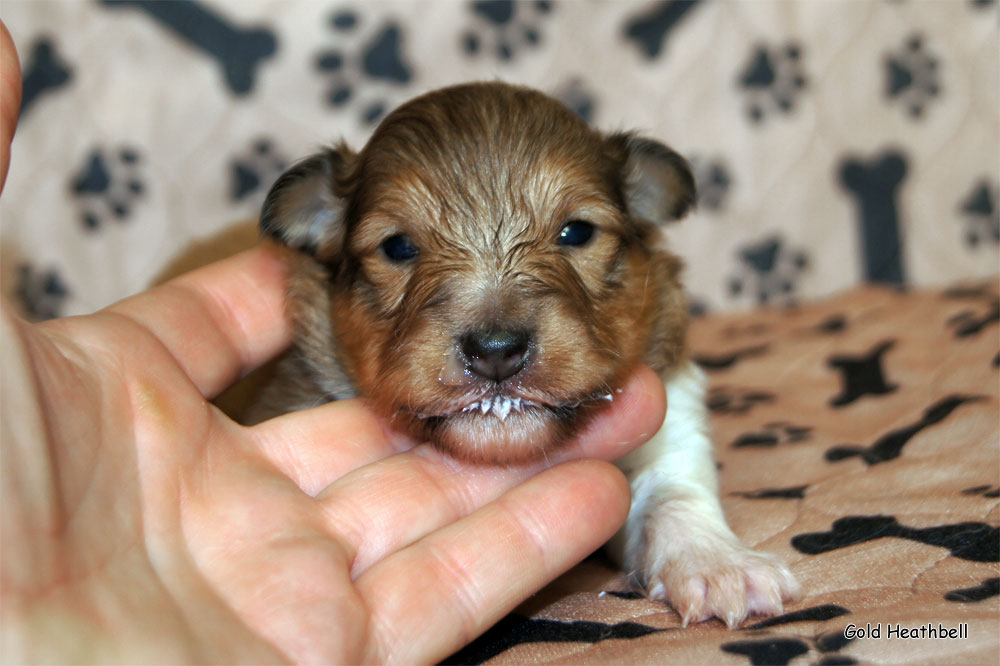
{"x": 496, "y": 354}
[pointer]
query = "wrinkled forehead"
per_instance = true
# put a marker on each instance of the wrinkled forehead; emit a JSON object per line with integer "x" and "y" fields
{"x": 490, "y": 173}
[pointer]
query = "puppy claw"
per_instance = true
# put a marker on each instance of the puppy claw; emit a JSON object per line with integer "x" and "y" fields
{"x": 732, "y": 583}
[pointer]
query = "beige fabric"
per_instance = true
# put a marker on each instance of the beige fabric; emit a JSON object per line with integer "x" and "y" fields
{"x": 943, "y": 346}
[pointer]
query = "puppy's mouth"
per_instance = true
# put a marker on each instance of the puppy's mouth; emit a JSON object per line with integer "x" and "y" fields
{"x": 501, "y": 405}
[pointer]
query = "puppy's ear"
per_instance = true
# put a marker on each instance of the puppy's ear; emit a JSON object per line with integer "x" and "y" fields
{"x": 306, "y": 206}
{"x": 659, "y": 186}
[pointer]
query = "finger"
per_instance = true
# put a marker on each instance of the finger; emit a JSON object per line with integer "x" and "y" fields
{"x": 317, "y": 446}
{"x": 473, "y": 572}
{"x": 10, "y": 98}
{"x": 220, "y": 321}
{"x": 634, "y": 415}
{"x": 410, "y": 495}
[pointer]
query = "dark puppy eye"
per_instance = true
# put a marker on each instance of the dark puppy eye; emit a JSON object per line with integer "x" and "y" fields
{"x": 399, "y": 248}
{"x": 576, "y": 233}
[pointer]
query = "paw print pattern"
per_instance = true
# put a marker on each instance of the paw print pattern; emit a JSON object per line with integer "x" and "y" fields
{"x": 40, "y": 292}
{"x": 108, "y": 185}
{"x": 581, "y": 101}
{"x": 768, "y": 271}
{"x": 373, "y": 61}
{"x": 772, "y": 80}
{"x": 255, "y": 169}
{"x": 505, "y": 27}
{"x": 44, "y": 71}
{"x": 982, "y": 215}
{"x": 912, "y": 76}
{"x": 712, "y": 182}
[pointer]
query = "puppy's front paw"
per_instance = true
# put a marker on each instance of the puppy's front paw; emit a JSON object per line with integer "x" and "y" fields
{"x": 719, "y": 578}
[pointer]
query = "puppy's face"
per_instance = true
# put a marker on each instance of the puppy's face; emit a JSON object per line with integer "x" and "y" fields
{"x": 489, "y": 267}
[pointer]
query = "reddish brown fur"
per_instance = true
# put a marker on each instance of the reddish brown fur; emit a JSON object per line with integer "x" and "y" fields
{"x": 482, "y": 178}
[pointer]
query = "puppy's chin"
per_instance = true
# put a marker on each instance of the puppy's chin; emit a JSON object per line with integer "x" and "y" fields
{"x": 519, "y": 438}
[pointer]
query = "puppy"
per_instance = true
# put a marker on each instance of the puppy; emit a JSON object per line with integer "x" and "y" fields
{"x": 485, "y": 272}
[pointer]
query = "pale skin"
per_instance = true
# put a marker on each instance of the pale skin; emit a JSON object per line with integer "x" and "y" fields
{"x": 140, "y": 524}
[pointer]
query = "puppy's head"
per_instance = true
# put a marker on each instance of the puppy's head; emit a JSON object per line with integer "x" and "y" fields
{"x": 485, "y": 270}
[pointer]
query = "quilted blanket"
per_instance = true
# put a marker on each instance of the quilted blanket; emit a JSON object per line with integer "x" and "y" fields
{"x": 858, "y": 439}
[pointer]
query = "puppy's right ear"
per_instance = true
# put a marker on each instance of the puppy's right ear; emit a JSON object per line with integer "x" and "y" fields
{"x": 306, "y": 206}
{"x": 659, "y": 186}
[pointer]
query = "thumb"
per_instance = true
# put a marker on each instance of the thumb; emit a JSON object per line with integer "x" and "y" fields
{"x": 10, "y": 98}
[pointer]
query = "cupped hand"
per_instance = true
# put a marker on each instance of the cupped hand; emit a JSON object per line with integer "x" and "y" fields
{"x": 139, "y": 523}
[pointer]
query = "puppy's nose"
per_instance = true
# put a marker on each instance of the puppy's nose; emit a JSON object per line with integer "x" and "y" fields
{"x": 496, "y": 355}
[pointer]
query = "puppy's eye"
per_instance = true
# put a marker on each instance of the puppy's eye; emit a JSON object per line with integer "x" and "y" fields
{"x": 399, "y": 248}
{"x": 576, "y": 233}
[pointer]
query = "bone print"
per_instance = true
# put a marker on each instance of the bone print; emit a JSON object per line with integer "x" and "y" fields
{"x": 238, "y": 52}
{"x": 875, "y": 185}
{"x": 651, "y": 29}
{"x": 863, "y": 375}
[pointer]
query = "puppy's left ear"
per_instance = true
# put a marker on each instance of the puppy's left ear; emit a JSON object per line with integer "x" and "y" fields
{"x": 658, "y": 183}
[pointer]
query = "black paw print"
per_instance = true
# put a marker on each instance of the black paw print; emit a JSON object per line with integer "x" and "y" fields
{"x": 108, "y": 184}
{"x": 40, "y": 292}
{"x": 257, "y": 168}
{"x": 912, "y": 76}
{"x": 768, "y": 271}
{"x": 581, "y": 101}
{"x": 712, "y": 182}
{"x": 982, "y": 215}
{"x": 772, "y": 80}
{"x": 505, "y": 26}
{"x": 373, "y": 59}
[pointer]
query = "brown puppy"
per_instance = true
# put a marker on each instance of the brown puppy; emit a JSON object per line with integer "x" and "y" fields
{"x": 485, "y": 272}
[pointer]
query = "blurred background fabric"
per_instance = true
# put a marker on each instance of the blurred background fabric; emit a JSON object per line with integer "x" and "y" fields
{"x": 835, "y": 142}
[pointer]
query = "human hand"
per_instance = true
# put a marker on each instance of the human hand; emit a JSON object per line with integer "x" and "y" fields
{"x": 141, "y": 524}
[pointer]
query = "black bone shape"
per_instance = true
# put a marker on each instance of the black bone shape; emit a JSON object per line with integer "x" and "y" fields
{"x": 988, "y": 588}
{"x": 792, "y": 492}
{"x": 726, "y": 361}
{"x": 977, "y": 542}
{"x": 812, "y": 614}
{"x": 889, "y": 446}
{"x": 44, "y": 71}
{"x": 772, "y": 651}
{"x": 874, "y": 185}
{"x": 651, "y": 28}
{"x": 863, "y": 375}
{"x": 237, "y": 51}
{"x": 516, "y": 629}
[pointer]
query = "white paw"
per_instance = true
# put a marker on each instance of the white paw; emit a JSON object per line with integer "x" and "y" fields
{"x": 722, "y": 578}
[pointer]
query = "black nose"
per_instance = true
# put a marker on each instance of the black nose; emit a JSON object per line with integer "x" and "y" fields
{"x": 496, "y": 355}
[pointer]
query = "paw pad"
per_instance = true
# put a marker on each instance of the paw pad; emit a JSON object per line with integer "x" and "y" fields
{"x": 768, "y": 271}
{"x": 369, "y": 61}
{"x": 41, "y": 293}
{"x": 108, "y": 186}
{"x": 256, "y": 168}
{"x": 912, "y": 76}
{"x": 505, "y": 27}
{"x": 772, "y": 80}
